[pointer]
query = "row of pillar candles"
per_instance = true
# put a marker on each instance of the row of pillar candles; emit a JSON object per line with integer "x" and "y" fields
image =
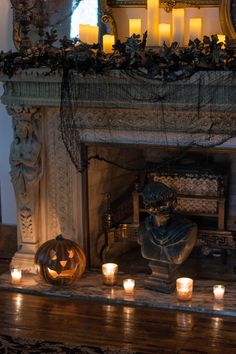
{"x": 158, "y": 33}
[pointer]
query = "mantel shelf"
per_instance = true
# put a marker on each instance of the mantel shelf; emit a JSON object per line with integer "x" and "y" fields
{"x": 124, "y": 109}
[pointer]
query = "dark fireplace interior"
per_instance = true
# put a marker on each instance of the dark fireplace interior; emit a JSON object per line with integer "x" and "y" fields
{"x": 204, "y": 184}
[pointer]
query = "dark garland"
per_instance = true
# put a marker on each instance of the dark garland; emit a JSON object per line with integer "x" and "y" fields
{"x": 162, "y": 63}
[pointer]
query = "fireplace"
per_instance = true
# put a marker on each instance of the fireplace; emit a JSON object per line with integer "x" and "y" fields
{"x": 74, "y": 204}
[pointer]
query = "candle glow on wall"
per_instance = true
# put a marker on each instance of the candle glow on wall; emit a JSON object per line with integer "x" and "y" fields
{"x": 152, "y": 22}
{"x": 178, "y": 26}
{"x": 195, "y": 28}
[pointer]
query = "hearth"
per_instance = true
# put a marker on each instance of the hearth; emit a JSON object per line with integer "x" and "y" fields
{"x": 112, "y": 131}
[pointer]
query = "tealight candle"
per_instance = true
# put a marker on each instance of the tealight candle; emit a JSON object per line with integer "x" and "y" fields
{"x": 219, "y": 291}
{"x": 129, "y": 285}
{"x": 109, "y": 273}
{"x": 184, "y": 288}
{"x": 16, "y": 276}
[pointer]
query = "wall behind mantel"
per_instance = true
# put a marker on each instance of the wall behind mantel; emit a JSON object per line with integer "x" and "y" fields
{"x": 7, "y": 193}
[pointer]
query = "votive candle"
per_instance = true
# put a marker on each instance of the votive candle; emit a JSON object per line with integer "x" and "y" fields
{"x": 129, "y": 285}
{"x": 218, "y": 291}
{"x": 184, "y": 289}
{"x": 16, "y": 275}
{"x": 109, "y": 273}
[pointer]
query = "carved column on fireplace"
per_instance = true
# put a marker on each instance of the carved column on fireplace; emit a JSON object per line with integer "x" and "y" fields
{"x": 26, "y": 172}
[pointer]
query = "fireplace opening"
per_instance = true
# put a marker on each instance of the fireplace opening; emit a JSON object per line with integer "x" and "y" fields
{"x": 203, "y": 180}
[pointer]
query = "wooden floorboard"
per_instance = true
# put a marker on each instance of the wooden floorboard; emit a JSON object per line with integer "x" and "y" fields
{"x": 145, "y": 330}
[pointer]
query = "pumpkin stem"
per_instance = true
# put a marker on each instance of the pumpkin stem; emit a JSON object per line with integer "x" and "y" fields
{"x": 59, "y": 238}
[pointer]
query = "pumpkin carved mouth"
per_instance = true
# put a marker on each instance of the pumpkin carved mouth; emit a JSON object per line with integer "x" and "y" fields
{"x": 64, "y": 273}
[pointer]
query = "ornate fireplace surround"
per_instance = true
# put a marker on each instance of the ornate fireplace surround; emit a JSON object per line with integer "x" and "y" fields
{"x": 50, "y": 194}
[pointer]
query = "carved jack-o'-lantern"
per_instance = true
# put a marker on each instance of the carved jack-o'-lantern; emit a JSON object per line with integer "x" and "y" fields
{"x": 60, "y": 261}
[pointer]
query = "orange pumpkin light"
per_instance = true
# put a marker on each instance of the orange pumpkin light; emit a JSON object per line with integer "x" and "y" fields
{"x": 60, "y": 261}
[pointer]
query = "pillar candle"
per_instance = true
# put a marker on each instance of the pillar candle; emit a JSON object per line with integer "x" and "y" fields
{"x": 92, "y": 34}
{"x": 152, "y": 22}
{"x": 134, "y": 26}
{"x": 83, "y": 33}
{"x": 178, "y": 26}
{"x": 88, "y": 34}
{"x": 108, "y": 42}
{"x": 195, "y": 28}
{"x": 164, "y": 33}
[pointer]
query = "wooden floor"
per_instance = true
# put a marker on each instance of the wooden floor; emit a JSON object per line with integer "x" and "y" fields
{"x": 142, "y": 330}
{"x": 117, "y": 327}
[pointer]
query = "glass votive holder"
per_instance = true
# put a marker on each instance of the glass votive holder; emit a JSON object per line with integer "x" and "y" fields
{"x": 109, "y": 273}
{"x": 128, "y": 285}
{"x": 16, "y": 275}
{"x": 219, "y": 292}
{"x": 184, "y": 289}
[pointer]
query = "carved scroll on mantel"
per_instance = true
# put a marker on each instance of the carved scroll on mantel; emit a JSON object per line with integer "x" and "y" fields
{"x": 26, "y": 172}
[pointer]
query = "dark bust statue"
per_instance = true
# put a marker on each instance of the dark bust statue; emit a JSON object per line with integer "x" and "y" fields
{"x": 164, "y": 236}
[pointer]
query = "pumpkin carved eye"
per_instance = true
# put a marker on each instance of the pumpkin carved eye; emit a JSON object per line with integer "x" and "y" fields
{"x": 70, "y": 253}
{"x": 53, "y": 255}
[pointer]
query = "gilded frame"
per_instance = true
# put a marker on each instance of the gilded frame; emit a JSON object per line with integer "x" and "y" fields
{"x": 165, "y": 3}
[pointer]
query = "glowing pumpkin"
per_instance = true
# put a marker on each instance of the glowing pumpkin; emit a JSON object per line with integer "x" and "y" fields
{"x": 60, "y": 261}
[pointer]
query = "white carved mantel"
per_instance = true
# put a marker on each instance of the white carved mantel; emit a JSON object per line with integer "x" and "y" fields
{"x": 117, "y": 112}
